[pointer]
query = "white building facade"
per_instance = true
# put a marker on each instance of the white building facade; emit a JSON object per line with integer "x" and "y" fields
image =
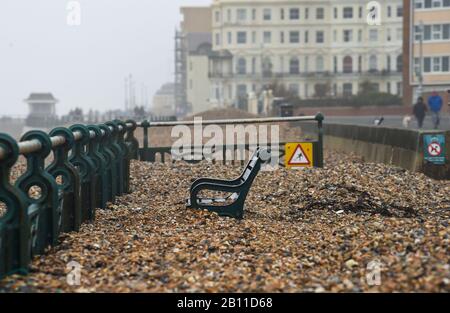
{"x": 314, "y": 48}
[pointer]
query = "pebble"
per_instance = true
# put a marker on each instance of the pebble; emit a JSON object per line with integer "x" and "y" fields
{"x": 300, "y": 229}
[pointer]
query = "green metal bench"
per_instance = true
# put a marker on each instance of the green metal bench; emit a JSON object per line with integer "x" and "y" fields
{"x": 233, "y": 205}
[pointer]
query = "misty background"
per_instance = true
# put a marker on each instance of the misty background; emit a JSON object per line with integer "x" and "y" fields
{"x": 85, "y": 65}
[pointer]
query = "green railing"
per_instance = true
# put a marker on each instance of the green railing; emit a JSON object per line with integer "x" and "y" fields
{"x": 90, "y": 167}
{"x": 149, "y": 153}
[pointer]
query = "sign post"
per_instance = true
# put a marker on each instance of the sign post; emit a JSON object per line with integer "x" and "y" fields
{"x": 434, "y": 149}
{"x": 299, "y": 155}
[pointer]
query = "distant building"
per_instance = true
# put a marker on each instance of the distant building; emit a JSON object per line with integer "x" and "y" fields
{"x": 164, "y": 101}
{"x": 42, "y": 110}
{"x": 192, "y": 38}
{"x": 198, "y": 88}
{"x": 314, "y": 48}
{"x": 428, "y": 20}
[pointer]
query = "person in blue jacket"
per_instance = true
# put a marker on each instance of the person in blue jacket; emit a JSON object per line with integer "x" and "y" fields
{"x": 435, "y": 104}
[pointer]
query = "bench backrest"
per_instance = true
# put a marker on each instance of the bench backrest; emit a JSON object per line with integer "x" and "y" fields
{"x": 253, "y": 166}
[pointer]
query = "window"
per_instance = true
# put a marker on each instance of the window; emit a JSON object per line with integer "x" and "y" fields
{"x": 347, "y": 89}
{"x": 242, "y": 66}
{"x": 217, "y": 39}
{"x": 389, "y": 11}
{"x": 282, "y": 14}
{"x": 400, "y": 11}
{"x": 348, "y": 35}
{"x": 294, "y": 90}
{"x": 348, "y": 64}
{"x": 319, "y": 64}
{"x": 446, "y": 31}
{"x": 427, "y": 65}
{"x": 417, "y": 33}
{"x": 294, "y": 14}
{"x": 253, "y": 65}
{"x": 241, "y": 15}
{"x": 319, "y": 36}
{"x": 437, "y": 31}
{"x": 427, "y": 32}
{"x": 294, "y": 66}
{"x": 253, "y": 36}
{"x": 229, "y": 15}
{"x": 373, "y": 35}
{"x": 348, "y": 12}
{"x": 335, "y": 13}
{"x": 360, "y": 13}
{"x": 335, "y": 64}
{"x": 388, "y": 63}
{"x": 436, "y": 64}
{"x": 306, "y": 64}
{"x": 242, "y": 37}
{"x": 373, "y": 63}
{"x": 335, "y": 35}
{"x": 306, "y": 36}
{"x": 320, "y": 13}
{"x": 294, "y": 37}
{"x": 267, "y": 14}
{"x": 388, "y": 87}
{"x": 267, "y": 67}
{"x": 282, "y": 37}
{"x": 230, "y": 38}
{"x": 360, "y": 35}
{"x": 320, "y": 90}
{"x": 389, "y": 35}
{"x": 306, "y": 13}
{"x": 254, "y": 14}
{"x": 437, "y": 3}
{"x": 217, "y": 16}
{"x": 360, "y": 64}
{"x": 267, "y": 37}
{"x": 400, "y": 63}
{"x": 446, "y": 64}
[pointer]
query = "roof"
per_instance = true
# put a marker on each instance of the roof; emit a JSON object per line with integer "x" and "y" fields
{"x": 166, "y": 89}
{"x": 42, "y": 97}
{"x": 221, "y": 54}
{"x": 195, "y": 40}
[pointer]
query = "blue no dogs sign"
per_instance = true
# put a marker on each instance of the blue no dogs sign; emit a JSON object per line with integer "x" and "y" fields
{"x": 434, "y": 146}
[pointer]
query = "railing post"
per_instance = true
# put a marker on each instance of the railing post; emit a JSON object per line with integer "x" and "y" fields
{"x": 144, "y": 154}
{"x": 111, "y": 161}
{"x": 117, "y": 150}
{"x": 86, "y": 169}
{"x": 130, "y": 139}
{"x": 70, "y": 187}
{"x": 14, "y": 225}
{"x": 44, "y": 210}
{"x": 94, "y": 152}
{"x": 320, "y": 118}
{"x": 125, "y": 156}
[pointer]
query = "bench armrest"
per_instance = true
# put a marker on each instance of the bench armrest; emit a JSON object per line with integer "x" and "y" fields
{"x": 214, "y": 187}
{"x": 215, "y": 181}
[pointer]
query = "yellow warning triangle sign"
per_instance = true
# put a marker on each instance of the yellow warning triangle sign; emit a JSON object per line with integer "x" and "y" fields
{"x": 299, "y": 157}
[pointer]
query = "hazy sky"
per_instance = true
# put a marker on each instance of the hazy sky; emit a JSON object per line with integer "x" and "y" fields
{"x": 85, "y": 65}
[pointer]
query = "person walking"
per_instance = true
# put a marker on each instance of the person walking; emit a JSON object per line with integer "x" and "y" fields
{"x": 420, "y": 110}
{"x": 435, "y": 104}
